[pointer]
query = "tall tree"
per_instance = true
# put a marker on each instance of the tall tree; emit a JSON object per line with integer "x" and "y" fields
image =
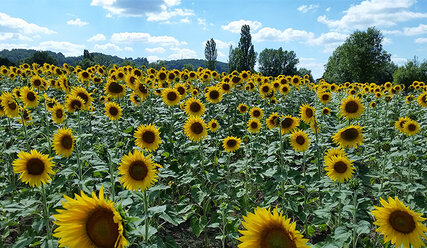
{"x": 41, "y": 57}
{"x": 233, "y": 55}
{"x": 211, "y": 54}
{"x": 361, "y": 58}
{"x": 410, "y": 72}
{"x": 246, "y": 56}
{"x": 274, "y": 62}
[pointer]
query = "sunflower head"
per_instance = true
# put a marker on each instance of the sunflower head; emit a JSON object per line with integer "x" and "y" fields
{"x": 326, "y": 111}
{"x": 272, "y": 120}
{"x": 114, "y": 89}
{"x": 324, "y": 97}
{"x": 254, "y": 125}
{"x": 231, "y": 144}
{"x": 194, "y": 107}
{"x": 74, "y": 103}
{"x": 63, "y": 142}
{"x": 399, "y": 124}
{"x": 339, "y": 168}
{"x": 58, "y": 114}
{"x": 350, "y": 136}
{"x": 307, "y": 113}
{"x": 243, "y": 108}
{"x": 213, "y": 125}
{"x": 147, "y": 137}
{"x": 411, "y": 127}
{"x": 299, "y": 140}
{"x": 334, "y": 151}
{"x": 195, "y": 129}
{"x": 171, "y": 96}
{"x": 351, "y": 107}
{"x": 288, "y": 123}
{"x": 256, "y": 113}
{"x": 34, "y": 167}
{"x": 399, "y": 224}
{"x": 113, "y": 111}
{"x": 422, "y": 99}
{"x": 29, "y": 97}
{"x": 213, "y": 94}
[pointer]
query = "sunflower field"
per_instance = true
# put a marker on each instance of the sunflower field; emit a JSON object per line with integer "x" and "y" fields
{"x": 134, "y": 157}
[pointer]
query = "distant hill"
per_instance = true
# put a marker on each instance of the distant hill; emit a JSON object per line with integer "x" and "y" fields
{"x": 17, "y": 56}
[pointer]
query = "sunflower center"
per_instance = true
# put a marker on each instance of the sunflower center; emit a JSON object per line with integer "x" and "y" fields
{"x": 67, "y": 142}
{"x": 325, "y": 111}
{"x": 412, "y": 127}
{"x": 162, "y": 76}
{"x": 195, "y": 107}
{"x": 424, "y": 98}
{"x": 214, "y": 94}
{"x": 76, "y": 104}
{"x": 276, "y": 238}
{"x": 225, "y": 87}
{"x": 59, "y": 113}
{"x": 101, "y": 228}
{"x": 148, "y": 137}
{"x": 181, "y": 90}
{"x": 402, "y": 123}
{"x": 114, "y": 111}
{"x": 285, "y": 89}
{"x": 325, "y": 97}
{"x": 172, "y": 96}
{"x": 143, "y": 89}
{"x": 243, "y": 108}
{"x": 138, "y": 170}
{"x": 83, "y": 96}
{"x": 231, "y": 143}
{"x": 340, "y": 167}
{"x": 35, "y": 166}
{"x": 287, "y": 122}
{"x": 12, "y": 105}
{"x": 115, "y": 88}
{"x": 309, "y": 112}
{"x": 300, "y": 140}
{"x": 273, "y": 120}
{"x": 31, "y": 96}
{"x": 196, "y": 128}
{"x": 37, "y": 82}
{"x": 402, "y": 222}
{"x": 213, "y": 125}
{"x": 256, "y": 113}
{"x": 350, "y": 134}
{"x": 265, "y": 89}
{"x": 254, "y": 125}
{"x": 85, "y": 75}
{"x": 351, "y": 107}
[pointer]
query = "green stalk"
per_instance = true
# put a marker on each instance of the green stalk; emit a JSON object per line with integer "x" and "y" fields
{"x": 339, "y": 204}
{"x": 46, "y": 212}
{"x": 25, "y": 131}
{"x": 146, "y": 215}
{"x": 354, "y": 219}
{"x": 112, "y": 178}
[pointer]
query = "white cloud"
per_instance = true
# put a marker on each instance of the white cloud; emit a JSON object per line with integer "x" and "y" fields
{"x": 155, "y": 50}
{"x": 185, "y": 20}
{"x": 329, "y": 41}
{"x": 166, "y": 15}
{"x": 127, "y": 37}
{"x": 135, "y": 8}
{"x": 398, "y": 60}
{"x": 171, "y": 3}
{"x": 202, "y": 22}
{"x": 387, "y": 41}
{"x": 128, "y": 49}
{"x": 421, "y": 29}
{"x": 65, "y": 47}
{"x": 152, "y": 58}
{"x": 379, "y": 13}
{"x": 77, "y": 22}
{"x": 221, "y": 55}
{"x": 14, "y": 36}
{"x": 328, "y": 9}
{"x": 221, "y": 44}
{"x": 312, "y": 64}
{"x": 421, "y": 40}
{"x": 107, "y": 47}
{"x": 10, "y": 46}
{"x": 97, "y": 37}
{"x": 289, "y": 34}
{"x": 306, "y": 8}
{"x": 18, "y": 25}
{"x": 182, "y": 53}
{"x": 236, "y": 26}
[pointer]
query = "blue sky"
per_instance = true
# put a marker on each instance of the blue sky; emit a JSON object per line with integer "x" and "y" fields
{"x": 175, "y": 29}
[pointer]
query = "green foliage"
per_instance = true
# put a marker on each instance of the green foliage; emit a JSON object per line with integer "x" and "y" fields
{"x": 304, "y": 71}
{"x": 274, "y": 62}
{"x": 189, "y": 67}
{"x": 41, "y": 58}
{"x": 410, "y": 72}
{"x": 360, "y": 59}
{"x": 211, "y": 54}
{"x": 6, "y": 62}
{"x": 243, "y": 58}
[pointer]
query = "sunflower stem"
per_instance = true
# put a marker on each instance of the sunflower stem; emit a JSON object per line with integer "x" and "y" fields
{"x": 112, "y": 178}
{"x": 339, "y": 204}
{"x": 46, "y": 212}
{"x": 146, "y": 215}
{"x": 305, "y": 190}
{"x": 25, "y": 131}
{"x": 354, "y": 218}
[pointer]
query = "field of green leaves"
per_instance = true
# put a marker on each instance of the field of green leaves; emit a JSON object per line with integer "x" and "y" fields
{"x": 134, "y": 157}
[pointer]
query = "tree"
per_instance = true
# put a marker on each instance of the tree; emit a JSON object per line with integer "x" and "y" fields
{"x": 6, "y": 62}
{"x": 274, "y": 62}
{"x": 40, "y": 58}
{"x": 211, "y": 54}
{"x": 246, "y": 55}
{"x": 304, "y": 71}
{"x": 410, "y": 72}
{"x": 360, "y": 59}
{"x": 189, "y": 67}
{"x": 232, "y": 59}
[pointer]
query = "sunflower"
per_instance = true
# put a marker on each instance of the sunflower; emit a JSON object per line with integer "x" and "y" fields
{"x": 400, "y": 123}
{"x": 334, "y": 151}
{"x": 213, "y": 125}
{"x": 411, "y": 127}
{"x": 350, "y": 136}
{"x": 422, "y": 99}
{"x": 351, "y": 107}
{"x": 113, "y": 111}
{"x": 26, "y": 117}
{"x": 37, "y": 82}
{"x": 399, "y": 224}
{"x": 339, "y": 168}
{"x": 307, "y": 113}
{"x": 254, "y": 125}
{"x": 135, "y": 99}
{"x": 194, "y": 107}
{"x": 138, "y": 171}
{"x": 49, "y": 102}
{"x": 285, "y": 89}
{"x": 83, "y": 94}
{"x": 266, "y": 229}
{"x": 29, "y": 97}
{"x": 58, "y": 114}
{"x": 225, "y": 87}
{"x": 195, "y": 128}
{"x": 326, "y": 111}
{"x": 214, "y": 94}
{"x": 231, "y": 144}
{"x": 147, "y": 137}
{"x": 114, "y": 89}
{"x": 171, "y": 96}
{"x": 34, "y": 166}
{"x": 63, "y": 142}
{"x": 74, "y": 103}
{"x": 324, "y": 97}
{"x": 242, "y": 108}
{"x": 141, "y": 89}
{"x": 180, "y": 87}
{"x": 272, "y": 120}
{"x": 265, "y": 89}
{"x": 299, "y": 140}
{"x": 287, "y": 124}
{"x": 89, "y": 222}
{"x": 10, "y": 106}
{"x": 373, "y": 104}
{"x": 256, "y": 113}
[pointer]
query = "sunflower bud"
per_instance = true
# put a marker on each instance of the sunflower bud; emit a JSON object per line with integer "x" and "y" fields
{"x": 354, "y": 183}
{"x": 386, "y": 146}
{"x": 412, "y": 157}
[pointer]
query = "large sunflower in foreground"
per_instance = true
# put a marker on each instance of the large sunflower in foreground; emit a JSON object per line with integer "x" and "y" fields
{"x": 147, "y": 137}
{"x": 351, "y": 107}
{"x": 29, "y": 97}
{"x": 231, "y": 144}
{"x": 10, "y": 106}
{"x": 339, "y": 168}
{"x": 34, "y": 167}
{"x": 273, "y": 230}
{"x": 422, "y": 99}
{"x": 113, "y": 111}
{"x": 138, "y": 171}
{"x": 171, "y": 96}
{"x": 307, "y": 113}
{"x": 411, "y": 127}
{"x": 350, "y": 136}
{"x": 299, "y": 140}
{"x": 89, "y": 222}
{"x": 399, "y": 224}
{"x": 195, "y": 128}
{"x": 63, "y": 142}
